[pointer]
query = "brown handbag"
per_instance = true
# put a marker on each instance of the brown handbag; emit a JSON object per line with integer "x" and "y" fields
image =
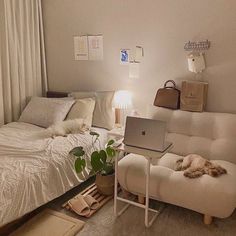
{"x": 168, "y": 97}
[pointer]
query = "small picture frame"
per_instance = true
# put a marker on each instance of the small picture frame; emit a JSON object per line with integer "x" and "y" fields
{"x": 124, "y": 56}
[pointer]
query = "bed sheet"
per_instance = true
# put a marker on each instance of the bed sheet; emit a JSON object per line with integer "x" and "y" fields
{"x": 34, "y": 171}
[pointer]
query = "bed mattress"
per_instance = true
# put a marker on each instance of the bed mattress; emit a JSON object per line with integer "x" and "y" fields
{"x": 34, "y": 171}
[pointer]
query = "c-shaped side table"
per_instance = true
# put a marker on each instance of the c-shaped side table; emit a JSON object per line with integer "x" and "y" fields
{"x": 149, "y": 155}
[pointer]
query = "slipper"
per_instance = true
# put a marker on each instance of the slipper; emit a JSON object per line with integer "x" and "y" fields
{"x": 79, "y": 206}
{"x": 92, "y": 202}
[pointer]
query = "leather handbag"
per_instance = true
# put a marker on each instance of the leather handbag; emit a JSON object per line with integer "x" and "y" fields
{"x": 168, "y": 97}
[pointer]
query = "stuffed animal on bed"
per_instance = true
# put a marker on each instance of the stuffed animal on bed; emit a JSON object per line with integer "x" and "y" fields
{"x": 195, "y": 166}
{"x": 67, "y": 127}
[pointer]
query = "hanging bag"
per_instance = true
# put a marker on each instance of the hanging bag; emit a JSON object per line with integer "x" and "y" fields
{"x": 168, "y": 97}
{"x": 193, "y": 96}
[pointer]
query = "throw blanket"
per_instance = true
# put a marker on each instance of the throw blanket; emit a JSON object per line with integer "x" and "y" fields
{"x": 195, "y": 166}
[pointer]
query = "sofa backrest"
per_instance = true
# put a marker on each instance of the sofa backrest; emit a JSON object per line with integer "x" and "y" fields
{"x": 211, "y": 135}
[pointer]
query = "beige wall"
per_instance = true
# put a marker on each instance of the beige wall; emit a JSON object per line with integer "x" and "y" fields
{"x": 161, "y": 27}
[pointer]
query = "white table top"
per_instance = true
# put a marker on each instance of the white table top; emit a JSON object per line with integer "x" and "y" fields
{"x": 142, "y": 151}
{"x": 117, "y": 131}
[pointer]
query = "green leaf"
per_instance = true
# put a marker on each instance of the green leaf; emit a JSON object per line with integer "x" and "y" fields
{"x": 110, "y": 151}
{"x": 107, "y": 169}
{"x": 79, "y": 165}
{"x": 103, "y": 156}
{"x": 77, "y": 151}
{"x": 110, "y": 142}
{"x": 94, "y": 133}
{"x": 96, "y": 162}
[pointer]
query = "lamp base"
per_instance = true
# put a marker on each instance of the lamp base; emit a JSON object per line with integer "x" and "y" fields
{"x": 117, "y": 116}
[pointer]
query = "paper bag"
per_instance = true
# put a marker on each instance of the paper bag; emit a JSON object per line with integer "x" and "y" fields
{"x": 193, "y": 96}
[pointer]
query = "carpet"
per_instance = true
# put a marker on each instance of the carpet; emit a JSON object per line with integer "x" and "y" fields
{"x": 48, "y": 223}
{"x": 173, "y": 221}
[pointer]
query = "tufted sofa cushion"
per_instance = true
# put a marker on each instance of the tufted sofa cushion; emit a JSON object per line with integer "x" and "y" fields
{"x": 211, "y": 135}
{"x": 207, "y": 195}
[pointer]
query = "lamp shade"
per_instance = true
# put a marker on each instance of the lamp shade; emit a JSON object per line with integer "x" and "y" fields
{"x": 123, "y": 99}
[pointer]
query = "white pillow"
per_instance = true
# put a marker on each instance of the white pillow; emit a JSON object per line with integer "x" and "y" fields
{"x": 45, "y": 111}
{"x": 103, "y": 115}
{"x": 82, "y": 109}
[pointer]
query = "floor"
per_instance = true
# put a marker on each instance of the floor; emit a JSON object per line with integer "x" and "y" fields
{"x": 172, "y": 221}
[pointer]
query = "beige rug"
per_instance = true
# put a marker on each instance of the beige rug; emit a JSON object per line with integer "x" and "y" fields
{"x": 48, "y": 223}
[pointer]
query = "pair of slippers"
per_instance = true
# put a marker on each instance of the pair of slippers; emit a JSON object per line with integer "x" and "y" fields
{"x": 82, "y": 205}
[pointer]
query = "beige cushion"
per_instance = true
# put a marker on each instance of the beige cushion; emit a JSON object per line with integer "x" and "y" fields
{"x": 211, "y": 135}
{"x": 103, "y": 115}
{"x": 45, "y": 112}
{"x": 207, "y": 195}
{"x": 82, "y": 109}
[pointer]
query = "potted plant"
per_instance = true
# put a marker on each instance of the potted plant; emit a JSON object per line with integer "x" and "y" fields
{"x": 101, "y": 163}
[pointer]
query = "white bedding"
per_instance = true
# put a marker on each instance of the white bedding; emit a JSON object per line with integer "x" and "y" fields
{"x": 35, "y": 171}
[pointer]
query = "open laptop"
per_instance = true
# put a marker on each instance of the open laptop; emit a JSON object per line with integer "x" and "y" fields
{"x": 146, "y": 133}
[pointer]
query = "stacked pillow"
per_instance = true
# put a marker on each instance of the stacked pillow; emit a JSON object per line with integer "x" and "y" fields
{"x": 82, "y": 109}
{"x": 103, "y": 115}
{"x": 45, "y": 112}
{"x": 95, "y": 108}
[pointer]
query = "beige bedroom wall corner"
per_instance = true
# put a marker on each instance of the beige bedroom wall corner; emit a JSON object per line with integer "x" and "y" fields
{"x": 161, "y": 27}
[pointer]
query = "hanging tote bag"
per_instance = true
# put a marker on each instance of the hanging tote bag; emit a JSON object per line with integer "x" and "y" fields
{"x": 193, "y": 96}
{"x": 168, "y": 97}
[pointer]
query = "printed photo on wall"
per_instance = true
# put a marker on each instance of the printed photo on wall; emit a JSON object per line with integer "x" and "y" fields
{"x": 124, "y": 56}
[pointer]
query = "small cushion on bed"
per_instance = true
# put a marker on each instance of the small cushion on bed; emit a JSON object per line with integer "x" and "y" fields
{"x": 103, "y": 115}
{"x": 45, "y": 111}
{"x": 82, "y": 109}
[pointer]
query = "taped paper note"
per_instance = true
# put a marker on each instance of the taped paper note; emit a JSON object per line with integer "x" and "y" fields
{"x": 138, "y": 53}
{"x": 81, "y": 47}
{"x": 95, "y": 47}
{"x": 134, "y": 70}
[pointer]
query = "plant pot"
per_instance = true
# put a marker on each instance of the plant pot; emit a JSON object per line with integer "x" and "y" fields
{"x": 105, "y": 183}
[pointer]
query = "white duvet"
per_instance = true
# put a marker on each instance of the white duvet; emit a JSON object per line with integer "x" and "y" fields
{"x": 35, "y": 171}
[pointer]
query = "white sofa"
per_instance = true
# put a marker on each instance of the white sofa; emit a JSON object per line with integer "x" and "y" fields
{"x": 212, "y": 135}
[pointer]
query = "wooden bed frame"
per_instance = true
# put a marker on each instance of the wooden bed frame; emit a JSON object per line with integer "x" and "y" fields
{"x": 53, "y": 94}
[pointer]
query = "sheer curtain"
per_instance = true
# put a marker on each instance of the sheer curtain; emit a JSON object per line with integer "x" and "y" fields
{"x": 22, "y": 56}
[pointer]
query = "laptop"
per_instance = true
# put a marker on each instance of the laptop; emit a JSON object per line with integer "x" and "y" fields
{"x": 146, "y": 133}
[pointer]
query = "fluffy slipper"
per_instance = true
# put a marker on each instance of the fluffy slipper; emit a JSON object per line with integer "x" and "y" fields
{"x": 92, "y": 202}
{"x": 79, "y": 206}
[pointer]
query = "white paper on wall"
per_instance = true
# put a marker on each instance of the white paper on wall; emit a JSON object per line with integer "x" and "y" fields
{"x": 81, "y": 47}
{"x": 95, "y": 44}
{"x": 134, "y": 70}
{"x": 138, "y": 53}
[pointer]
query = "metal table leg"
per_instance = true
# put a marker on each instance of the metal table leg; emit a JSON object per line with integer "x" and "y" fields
{"x": 147, "y": 192}
{"x": 129, "y": 202}
{"x": 116, "y": 183}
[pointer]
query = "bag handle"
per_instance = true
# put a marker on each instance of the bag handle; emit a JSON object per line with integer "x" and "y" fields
{"x": 170, "y": 81}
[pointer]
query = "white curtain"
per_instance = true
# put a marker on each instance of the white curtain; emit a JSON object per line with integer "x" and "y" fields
{"x": 22, "y": 56}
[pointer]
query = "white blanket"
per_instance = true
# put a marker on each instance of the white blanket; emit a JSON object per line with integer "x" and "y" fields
{"x": 35, "y": 171}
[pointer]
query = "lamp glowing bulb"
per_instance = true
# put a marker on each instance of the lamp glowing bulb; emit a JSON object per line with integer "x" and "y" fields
{"x": 123, "y": 99}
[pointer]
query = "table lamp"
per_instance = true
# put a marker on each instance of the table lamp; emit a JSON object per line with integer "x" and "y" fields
{"x": 123, "y": 101}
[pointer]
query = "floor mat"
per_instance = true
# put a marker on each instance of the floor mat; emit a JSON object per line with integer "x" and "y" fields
{"x": 48, "y": 223}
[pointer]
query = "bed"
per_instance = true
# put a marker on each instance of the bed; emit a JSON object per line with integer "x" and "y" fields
{"x": 34, "y": 171}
